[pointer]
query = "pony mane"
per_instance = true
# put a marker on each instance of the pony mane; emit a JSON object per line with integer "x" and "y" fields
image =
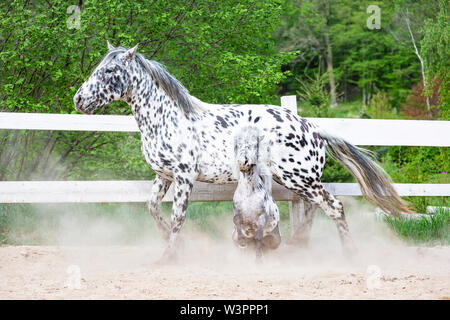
{"x": 171, "y": 86}
{"x": 265, "y": 175}
{"x": 261, "y": 169}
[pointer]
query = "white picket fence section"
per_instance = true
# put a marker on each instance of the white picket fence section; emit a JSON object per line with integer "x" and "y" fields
{"x": 139, "y": 190}
{"x": 356, "y": 131}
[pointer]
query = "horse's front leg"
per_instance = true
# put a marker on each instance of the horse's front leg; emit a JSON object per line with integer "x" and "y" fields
{"x": 159, "y": 189}
{"x": 182, "y": 191}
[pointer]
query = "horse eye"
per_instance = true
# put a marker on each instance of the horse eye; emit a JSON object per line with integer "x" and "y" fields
{"x": 109, "y": 71}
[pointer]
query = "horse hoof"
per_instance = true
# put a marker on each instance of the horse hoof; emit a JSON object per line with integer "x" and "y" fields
{"x": 242, "y": 244}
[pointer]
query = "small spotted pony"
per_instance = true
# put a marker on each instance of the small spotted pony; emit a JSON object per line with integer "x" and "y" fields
{"x": 256, "y": 216}
{"x": 186, "y": 140}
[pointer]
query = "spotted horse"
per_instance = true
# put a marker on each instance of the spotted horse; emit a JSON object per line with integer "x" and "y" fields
{"x": 185, "y": 139}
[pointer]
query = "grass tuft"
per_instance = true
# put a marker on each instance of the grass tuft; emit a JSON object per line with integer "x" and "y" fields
{"x": 430, "y": 230}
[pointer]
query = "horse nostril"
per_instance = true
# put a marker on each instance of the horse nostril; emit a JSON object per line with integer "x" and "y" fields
{"x": 77, "y": 102}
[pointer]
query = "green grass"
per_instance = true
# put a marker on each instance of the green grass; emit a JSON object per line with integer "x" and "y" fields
{"x": 431, "y": 230}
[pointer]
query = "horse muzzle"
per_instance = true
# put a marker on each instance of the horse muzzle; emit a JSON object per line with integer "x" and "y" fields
{"x": 81, "y": 105}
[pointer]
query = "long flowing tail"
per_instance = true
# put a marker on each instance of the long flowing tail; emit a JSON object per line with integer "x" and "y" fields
{"x": 374, "y": 182}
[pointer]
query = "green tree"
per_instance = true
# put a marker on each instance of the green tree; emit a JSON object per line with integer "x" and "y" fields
{"x": 408, "y": 28}
{"x": 306, "y": 27}
{"x": 221, "y": 53}
{"x": 364, "y": 61}
{"x": 436, "y": 53}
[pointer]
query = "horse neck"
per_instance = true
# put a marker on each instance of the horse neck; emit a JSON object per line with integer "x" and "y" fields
{"x": 151, "y": 106}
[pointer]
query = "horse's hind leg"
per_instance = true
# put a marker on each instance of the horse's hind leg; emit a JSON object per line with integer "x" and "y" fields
{"x": 334, "y": 209}
{"x": 159, "y": 189}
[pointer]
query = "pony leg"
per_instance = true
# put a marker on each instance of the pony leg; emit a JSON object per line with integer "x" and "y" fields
{"x": 259, "y": 246}
{"x": 302, "y": 233}
{"x": 159, "y": 189}
{"x": 180, "y": 203}
{"x": 259, "y": 237}
{"x": 272, "y": 241}
{"x": 238, "y": 237}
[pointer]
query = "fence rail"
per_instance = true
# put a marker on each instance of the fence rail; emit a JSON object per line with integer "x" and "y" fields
{"x": 139, "y": 191}
{"x": 357, "y": 131}
{"x": 375, "y": 132}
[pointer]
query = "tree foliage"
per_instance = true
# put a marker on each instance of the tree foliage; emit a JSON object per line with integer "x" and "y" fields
{"x": 220, "y": 52}
{"x": 436, "y": 51}
{"x": 223, "y": 52}
{"x": 365, "y": 61}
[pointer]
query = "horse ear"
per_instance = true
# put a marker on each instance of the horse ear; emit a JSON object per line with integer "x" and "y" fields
{"x": 261, "y": 138}
{"x": 131, "y": 52}
{"x": 110, "y": 47}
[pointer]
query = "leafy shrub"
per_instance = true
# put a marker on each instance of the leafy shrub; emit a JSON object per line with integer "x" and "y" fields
{"x": 379, "y": 106}
{"x": 314, "y": 93}
{"x": 415, "y": 106}
{"x": 419, "y": 165}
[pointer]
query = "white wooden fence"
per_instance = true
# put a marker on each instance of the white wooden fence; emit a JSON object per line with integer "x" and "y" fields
{"x": 356, "y": 131}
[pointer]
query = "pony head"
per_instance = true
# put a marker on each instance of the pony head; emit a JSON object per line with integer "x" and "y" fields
{"x": 110, "y": 81}
{"x": 246, "y": 148}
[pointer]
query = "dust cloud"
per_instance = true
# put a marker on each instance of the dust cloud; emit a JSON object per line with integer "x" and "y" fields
{"x": 116, "y": 258}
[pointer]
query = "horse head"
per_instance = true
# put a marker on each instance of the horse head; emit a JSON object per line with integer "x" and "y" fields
{"x": 109, "y": 82}
{"x": 246, "y": 148}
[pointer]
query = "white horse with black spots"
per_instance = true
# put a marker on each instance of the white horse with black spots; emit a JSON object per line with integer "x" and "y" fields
{"x": 185, "y": 139}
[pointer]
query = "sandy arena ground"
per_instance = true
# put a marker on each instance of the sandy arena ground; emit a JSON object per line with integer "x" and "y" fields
{"x": 385, "y": 268}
